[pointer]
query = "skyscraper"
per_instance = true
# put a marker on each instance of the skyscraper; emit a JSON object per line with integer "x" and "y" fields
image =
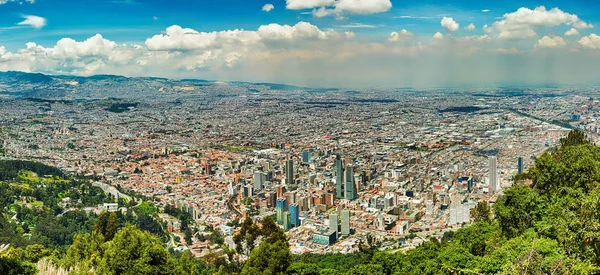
{"x": 281, "y": 209}
{"x": 350, "y": 187}
{"x": 289, "y": 171}
{"x": 295, "y": 215}
{"x": 493, "y": 174}
{"x": 520, "y": 165}
{"x": 333, "y": 223}
{"x": 258, "y": 181}
{"x": 345, "y": 218}
{"x": 286, "y": 221}
{"x": 306, "y": 156}
{"x": 339, "y": 178}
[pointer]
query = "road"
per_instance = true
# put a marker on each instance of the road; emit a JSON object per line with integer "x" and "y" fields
{"x": 231, "y": 207}
{"x": 111, "y": 190}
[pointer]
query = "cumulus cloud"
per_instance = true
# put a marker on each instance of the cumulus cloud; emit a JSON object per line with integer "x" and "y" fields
{"x": 449, "y": 24}
{"x": 33, "y": 21}
{"x": 470, "y": 27}
{"x": 268, "y": 7}
{"x": 523, "y": 22}
{"x": 572, "y": 32}
{"x": 438, "y": 35}
{"x": 400, "y": 36}
{"x": 307, "y": 4}
{"x": 177, "y": 38}
{"x": 485, "y": 10}
{"x": 295, "y": 54}
{"x": 551, "y": 42}
{"x": 591, "y": 41}
{"x": 322, "y": 8}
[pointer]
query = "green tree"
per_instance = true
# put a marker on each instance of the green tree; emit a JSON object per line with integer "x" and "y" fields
{"x": 298, "y": 268}
{"x": 269, "y": 259}
{"x": 16, "y": 267}
{"x": 481, "y": 212}
{"x": 575, "y": 137}
{"x": 517, "y": 210}
{"x": 133, "y": 251}
{"x": 367, "y": 269}
{"x": 111, "y": 226}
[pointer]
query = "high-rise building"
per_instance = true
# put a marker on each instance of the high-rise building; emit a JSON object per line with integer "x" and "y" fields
{"x": 258, "y": 181}
{"x": 493, "y": 174}
{"x": 281, "y": 209}
{"x": 295, "y": 215}
{"x": 248, "y": 191}
{"x": 520, "y": 165}
{"x": 286, "y": 221}
{"x": 333, "y": 223}
{"x": 289, "y": 171}
{"x": 339, "y": 178}
{"x": 470, "y": 185}
{"x": 306, "y": 156}
{"x": 350, "y": 187}
{"x": 345, "y": 219}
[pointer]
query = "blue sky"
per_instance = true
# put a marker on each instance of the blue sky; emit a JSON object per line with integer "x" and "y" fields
{"x": 392, "y": 34}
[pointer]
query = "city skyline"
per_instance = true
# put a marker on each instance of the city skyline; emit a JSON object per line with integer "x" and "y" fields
{"x": 340, "y": 43}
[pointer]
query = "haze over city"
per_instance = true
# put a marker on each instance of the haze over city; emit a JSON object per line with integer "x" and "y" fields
{"x": 321, "y": 43}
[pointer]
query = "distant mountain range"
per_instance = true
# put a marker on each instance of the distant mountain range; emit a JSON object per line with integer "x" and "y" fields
{"x": 15, "y": 84}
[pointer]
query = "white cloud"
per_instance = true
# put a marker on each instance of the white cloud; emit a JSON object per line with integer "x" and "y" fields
{"x": 322, "y": 12}
{"x": 362, "y": 6}
{"x": 268, "y": 7}
{"x": 177, "y": 38}
{"x": 33, "y": 21}
{"x": 400, "y": 36}
{"x": 322, "y": 8}
{"x": 470, "y": 27}
{"x": 522, "y": 23}
{"x": 485, "y": 10}
{"x": 2, "y": 2}
{"x": 591, "y": 41}
{"x": 449, "y": 24}
{"x": 154, "y": 18}
{"x": 307, "y": 4}
{"x": 551, "y": 42}
{"x": 294, "y": 54}
{"x": 357, "y": 26}
{"x": 572, "y": 32}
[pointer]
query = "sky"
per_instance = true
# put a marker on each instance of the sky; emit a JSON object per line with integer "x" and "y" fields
{"x": 316, "y": 43}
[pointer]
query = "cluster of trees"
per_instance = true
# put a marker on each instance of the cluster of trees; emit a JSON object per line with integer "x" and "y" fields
{"x": 10, "y": 169}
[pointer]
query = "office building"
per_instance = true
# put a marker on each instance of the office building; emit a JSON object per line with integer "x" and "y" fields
{"x": 520, "y": 165}
{"x": 281, "y": 209}
{"x": 325, "y": 238}
{"x": 493, "y": 174}
{"x": 339, "y": 178}
{"x": 333, "y": 223}
{"x": 286, "y": 222}
{"x": 289, "y": 172}
{"x": 294, "y": 215}
{"x": 345, "y": 219}
{"x": 258, "y": 181}
{"x": 306, "y": 156}
{"x": 350, "y": 187}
